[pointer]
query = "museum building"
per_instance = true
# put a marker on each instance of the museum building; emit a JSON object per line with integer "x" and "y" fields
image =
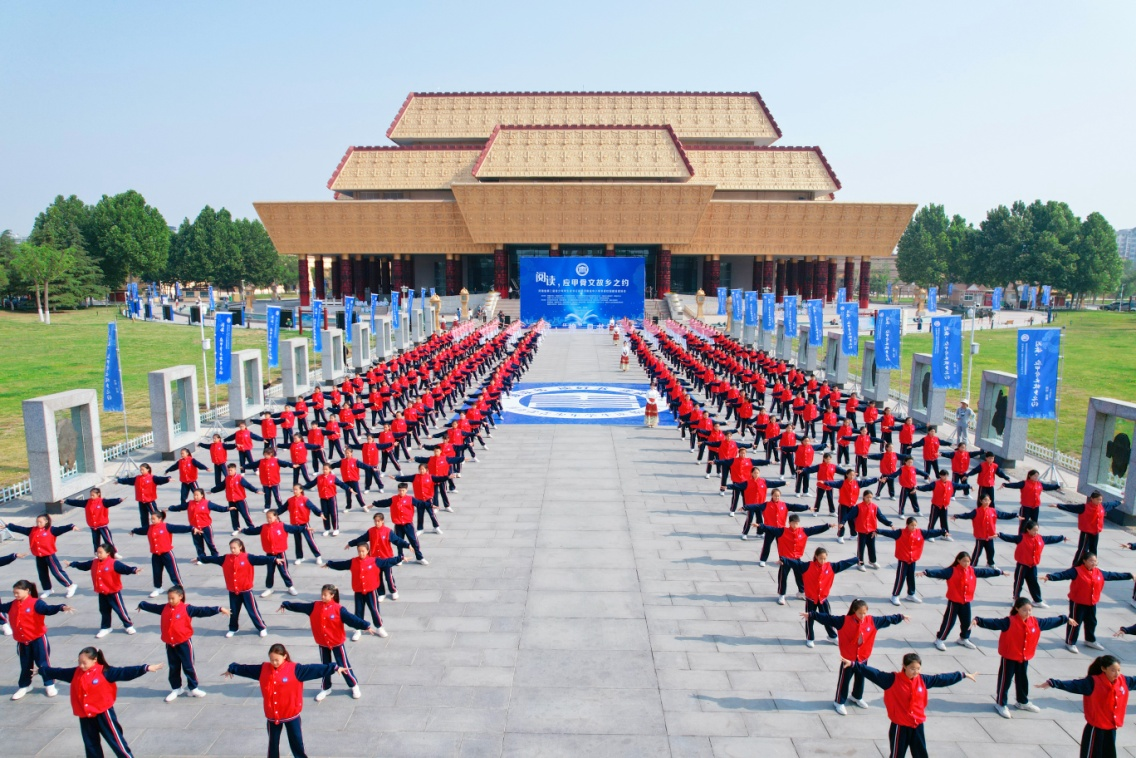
{"x": 690, "y": 181}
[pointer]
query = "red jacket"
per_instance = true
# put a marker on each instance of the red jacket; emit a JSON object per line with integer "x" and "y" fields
{"x": 326, "y": 620}
{"x": 27, "y": 623}
{"x": 1019, "y": 642}
{"x": 105, "y": 579}
{"x": 818, "y": 578}
{"x": 1105, "y": 708}
{"x": 177, "y": 627}
{"x": 268, "y": 470}
{"x": 159, "y": 538}
{"x": 218, "y": 454}
{"x": 791, "y": 543}
{"x": 239, "y": 574}
{"x": 930, "y": 448}
{"x": 97, "y": 514}
{"x": 942, "y": 494}
{"x": 849, "y": 492}
{"x": 866, "y": 517}
{"x": 42, "y": 541}
{"x": 380, "y": 543}
{"x": 1091, "y": 520}
{"x": 961, "y": 585}
{"x": 985, "y": 525}
{"x": 364, "y": 575}
{"x": 91, "y": 693}
{"x": 274, "y": 538}
{"x": 856, "y": 638}
{"x": 298, "y": 511}
{"x": 909, "y": 545}
{"x": 145, "y": 491}
{"x": 960, "y": 462}
{"x": 1028, "y": 551}
{"x": 986, "y": 473}
{"x": 402, "y": 509}
{"x": 234, "y": 490}
{"x": 187, "y": 472}
{"x": 282, "y": 691}
{"x": 906, "y": 700}
{"x": 1086, "y": 587}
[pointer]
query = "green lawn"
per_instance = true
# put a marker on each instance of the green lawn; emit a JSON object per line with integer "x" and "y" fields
{"x": 1099, "y": 360}
{"x": 69, "y": 354}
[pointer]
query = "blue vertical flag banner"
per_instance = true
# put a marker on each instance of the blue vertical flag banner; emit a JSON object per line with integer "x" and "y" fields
{"x": 422, "y": 297}
{"x": 888, "y": 322}
{"x": 738, "y": 305}
{"x": 395, "y": 315}
{"x": 1039, "y": 352}
{"x": 1045, "y": 292}
{"x": 374, "y": 305}
{"x": 950, "y": 288}
{"x": 751, "y": 308}
{"x": 769, "y": 312}
{"x": 816, "y": 322}
{"x": 212, "y": 302}
{"x": 177, "y": 290}
{"x": 841, "y": 295}
{"x": 1032, "y": 297}
{"x": 946, "y": 352}
{"x": 112, "y": 373}
{"x": 223, "y": 348}
{"x": 789, "y": 303}
{"x": 431, "y": 292}
{"x": 348, "y": 317}
{"x": 409, "y": 301}
{"x": 849, "y": 314}
{"x": 272, "y": 317}
{"x": 932, "y": 299}
{"x": 721, "y": 301}
{"x": 889, "y": 292}
{"x": 996, "y": 299}
{"x": 317, "y": 325}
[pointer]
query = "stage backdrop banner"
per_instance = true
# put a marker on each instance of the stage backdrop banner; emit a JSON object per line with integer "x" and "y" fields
{"x": 581, "y": 291}
{"x": 1039, "y": 352}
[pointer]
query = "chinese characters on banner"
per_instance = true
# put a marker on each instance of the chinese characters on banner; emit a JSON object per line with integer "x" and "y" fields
{"x": 317, "y": 325}
{"x": 789, "y": 303}
{"x": 223, "y": 348}
{"x": 769, "y": 312}
{"x": 395, "y": 315}
{"x": 932, "y": 299}
{"x": 1045, "y": 291}
{"x": 816, "y": 322}
{"x": 584, "y": 292}
{"x": 721, "y": 301}
{"x": 737, "y": 305}
{"x": 946, "y": 352}
{"x": 1032, "y": 297}
{"x": 374, "y": 305}
{"x": 751, "y": 308}
{"x": 849, "y": 314}
{"x": 112, "y": 373}
{"x": 348, "y": 317}
{"x": 841, "y": 295}
{"x": 887, "y": 339}
{"x": 996, "y": 299}
{"x": 272, "y": 317}
{"x": 1039, "y": 352}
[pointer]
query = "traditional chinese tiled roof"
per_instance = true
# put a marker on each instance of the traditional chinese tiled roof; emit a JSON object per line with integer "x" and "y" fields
{"x": 733, "y": 167}
{"x": 416, "y": 167}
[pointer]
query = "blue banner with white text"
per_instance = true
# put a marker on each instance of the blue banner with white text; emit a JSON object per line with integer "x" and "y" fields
{"x": 932, "y": 299}
{"x": 348, "y": 317}
{"x": 212, "y": 302}
{"x": 272, "y": 319}
{"x": 1039, "y": 353}
{"x": 374, "y": 305}
{"x": 578, "y": 291}
{"x": 1045, "y": 293}
{"x": 888, "y": 321}
{"x": 396, "y": 316}
{"x": 1032, "y": 297}
{"x": 841, "y": 295}
{"x": 317, "y": 325}
{"x": 816, "y": 322}
{"x": 849, "y": 314}
{"x": 769, "y": 312}
{"x": 721, "y": 301}
{"x": 751, "y": 308}
{"x": 223, "y": 348}
{"x": 112, "y": 373}
{"x": 789, "y": 303}
{"x": 946, "y": 352}
{"x": 996, "y": 299}
{"x": 737, "y": 305}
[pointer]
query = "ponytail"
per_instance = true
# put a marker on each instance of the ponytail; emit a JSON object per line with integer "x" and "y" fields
{"x": 1100, "y": 664}
{"x": 278, "y": 649}
{"x": 857, "y": 604}
{"x": 332, "y": 589}
{"x": 96, "y": 655}
{"x": 30, "y": 587}
{"x": 959, "y": 557}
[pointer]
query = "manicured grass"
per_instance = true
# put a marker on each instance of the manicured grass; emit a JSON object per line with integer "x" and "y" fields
{"x": 40, "y": 360}
{"x": 1099, "y": 360}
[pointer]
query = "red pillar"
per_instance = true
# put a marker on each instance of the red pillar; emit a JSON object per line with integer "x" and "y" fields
{"x": 346, "y": 276}
{"x": 865, "y": 280}
{"x": 810, "y": 278}
{"x": 791, "y": 277}
{"x": 501, "y": 272}
{"x": 336, "y": 290}
{"x": 711, "y": 272}
{"x": 755, "y": 280}
{"x": 609, "y": 251}
{"x": 396, "y": 274}
{"x": 554, "y": 252}
{"x": 780, "y": 280}
{"x": 767, "y": 270}
{"x": 820, "y": 288}
{"x": 453, "y": 275}
{"x": 358, "y": 277}
{"x": 663, "y": 272}
{"x": 305, "y": 285}
{"x": 831, "y": 280}
{"x": 319, "y": 282}
{"x": 384, "y": 274}
{"x": 849, "y": 278}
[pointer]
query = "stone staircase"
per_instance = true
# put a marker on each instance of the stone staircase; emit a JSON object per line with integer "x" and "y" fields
{"x": 655, "y": 308}
{"x": 511, "y": 308}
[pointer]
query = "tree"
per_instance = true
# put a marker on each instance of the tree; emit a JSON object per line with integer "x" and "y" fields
{"x": 999, "y": 246}
{"x": 42, "y": 265}
{"x": 131, "y": 238}
{"x": 287, "y": 273}
{"x": 7, "y": 251}
{"x": 960, "y": 246}
{"x": 258, "y": 254}
{"x": 1099, "y": 266}
{"x": 924, "y": 249}
{"x": 64, "y": 225}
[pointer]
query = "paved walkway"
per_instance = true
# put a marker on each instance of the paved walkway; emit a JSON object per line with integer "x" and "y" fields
{"x": 589, "y": 596}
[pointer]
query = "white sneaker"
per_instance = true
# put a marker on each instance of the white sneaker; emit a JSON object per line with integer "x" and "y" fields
{"x": 1027, "y": 707}
{"x": 914, "y": 599}
{"x": 707, "y": 476}
{"x": 19, "y": 694}
{"x": 392, "y": 596}
{"x": 780, "y": 600}
{"x": 356, "y": 636}
{"x": 800, "y": 596}
{"x": 1002, "y": 711}
{"x": 424, "y": 562}
{"x": 319, "y": 561}
{"x": 761, "y": 563}
{"x": 840, "y": 540}
{"x": 1041, "y": 604}
{"x": 839, "y": 708}
{"x": 1072, "y": 648}
{"x": 940, "y": 645}
{"x": 858, "y": 702}
{"x": 968, "y": 644}
{"x": 895, "y": 600}
{"x": 382, "y": 632}
{"x": 334, "y": 532}
{"x": 230, "y": 633}
{"x": 437, "y": 530}
{"x": 734, "y": 514}
{"x": 994, "y": 566}
{"x": 810, "y": 643}
{"x": 263, "y": 632}
{"x": 46, "y": 593}
{"x": 448, "y": 509}
{"x": 51, "y": 691}
{"x": 293, "y": 591}
{"x": 721, "y": 493}
{"x": 327, "y": 533}
{"x": 267, "y": 593}
{"x": 861, "y": 567}
{"x": 71, "y": 590}
{"x": 873, "y": 565}
{"x": 948, "y": 538}
{"x": 298, "y": 561}
{"x": 356, "y": 693}
{"x": 235, "y": 532}
{"x": 1094, "y": 645}
{"x": 174, "y": 695}
{"x": 156, "y": 592}
{"x": 131, "y": 630}
{"x": 745, "y": 537}
{"x": 321, "y": 695}
{"x": 197, "y": 692}
{"x": 7, "y": 629}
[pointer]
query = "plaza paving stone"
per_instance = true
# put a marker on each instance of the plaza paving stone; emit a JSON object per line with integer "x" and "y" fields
{"x": 589, "y": 596}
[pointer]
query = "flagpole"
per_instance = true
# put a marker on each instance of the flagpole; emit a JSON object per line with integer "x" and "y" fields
{"x": 128, "y": 467}
{"x": 1052, "y": 475}
{"x": 204, "y": 363}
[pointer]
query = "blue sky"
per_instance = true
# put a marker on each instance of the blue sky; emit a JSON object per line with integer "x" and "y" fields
{"x": 969, "y": 104}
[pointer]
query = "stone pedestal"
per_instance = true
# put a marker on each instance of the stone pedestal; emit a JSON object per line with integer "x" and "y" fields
{"x": 173, "y": 409}
{"x": 64, "y": 445}
{"x": 402, "y": 334}
{"x": 428, "y": 321}
{"x": 806, "y": 353}
{"x": 998, "y": 429}
{"x": 294, "y": 368}
{"x": 784, "y": 344}
{"x": 875, "y": 384}
{"x": 384, "y": 340}
{"x": 246, "y": 391}
{"x": 360, "y": 346}
{"x": 926, "y": 404}
{"x": 765, "y": 340}
{"x": 835, "y": 360}
{"x": 332, "y": 356}
{"x": 1108, "y": 456}
{"x": 749, "y": 334}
